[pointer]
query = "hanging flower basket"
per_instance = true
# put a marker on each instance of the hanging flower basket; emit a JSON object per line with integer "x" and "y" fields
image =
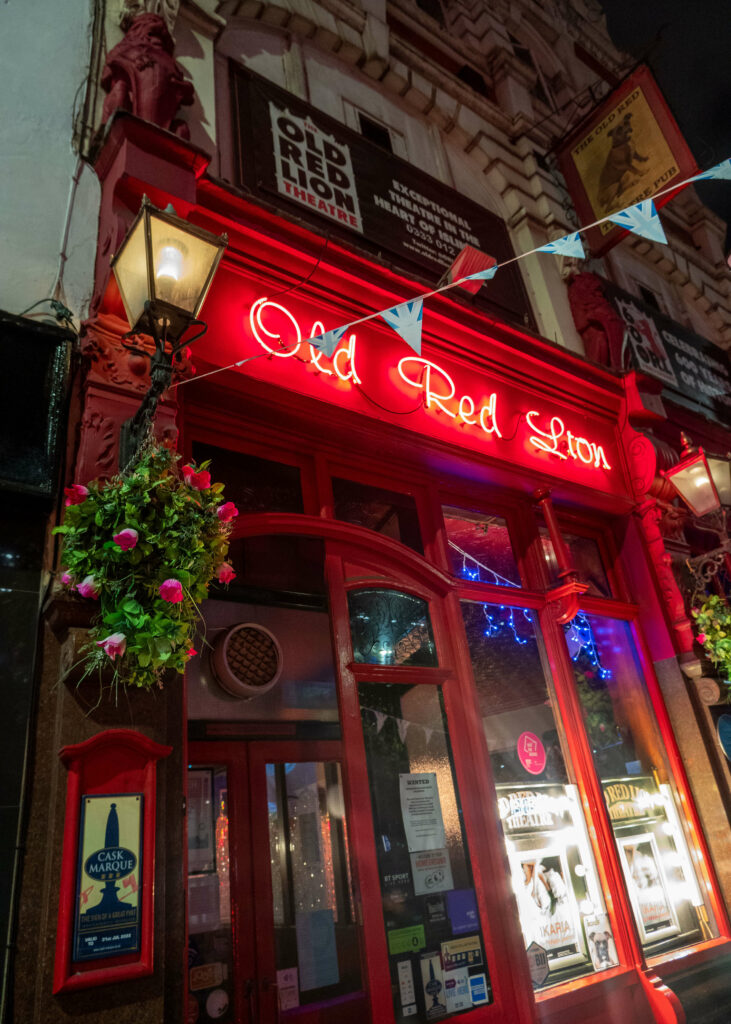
{"x": 713, "y": 623}
{"x": 146, "y": 545}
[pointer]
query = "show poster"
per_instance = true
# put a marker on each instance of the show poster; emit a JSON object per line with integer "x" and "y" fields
{"x": 421, "y": 811}
{"x": 546, "y": 912}
{"x": 107, "y": 919}
{"x": 647, "y": 885}
{"x": 431, "y": 871}
{"x": 627, "y": 150}
{"x": 432, "y": 980}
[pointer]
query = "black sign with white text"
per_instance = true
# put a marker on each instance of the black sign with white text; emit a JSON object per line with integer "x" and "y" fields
{"x": 325, "y": 172}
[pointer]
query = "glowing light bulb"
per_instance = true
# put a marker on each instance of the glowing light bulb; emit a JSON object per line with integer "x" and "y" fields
{"x": 170, "y": 264}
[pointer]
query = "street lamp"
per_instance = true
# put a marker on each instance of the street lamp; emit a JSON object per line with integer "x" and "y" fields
{"x": 164, "y": 269}
{"x": 702, "y": 481}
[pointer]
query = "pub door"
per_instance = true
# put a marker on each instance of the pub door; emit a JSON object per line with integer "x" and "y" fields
{"x": 272, "y": 922}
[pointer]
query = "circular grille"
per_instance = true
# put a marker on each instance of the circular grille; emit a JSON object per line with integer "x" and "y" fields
{"x": 247, "y": 660}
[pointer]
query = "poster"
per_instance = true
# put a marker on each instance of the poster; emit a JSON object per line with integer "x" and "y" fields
{"x": 647, "y": 887}
{"x": 406, "y": 940}
{"x": 407, "y": 991}
{"x": 628, "y": 149}
{"x": 547, "y": 913}
{"x": 317, "y": 953}
{"x": 457, "y": 990}
{"x": 602, "y": 950}
{"x": 462, "y": 910}
{"x": 432, "y": 981}
{"x": 201, "y": 834}
{"x": 421, "y": 811}
{"x": 288, "y": 988}
{"x": 464, "y": 952}
{"x": 107, "y": 915}
{"x": 431, "y": 871}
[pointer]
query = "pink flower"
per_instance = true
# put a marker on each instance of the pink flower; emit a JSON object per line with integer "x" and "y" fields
{"x": 192, "y": 652}
{"x": 88, "y": 588}
{"x": 126, "y": 539}
{"x": 589, "y": 674}
{"x": 694, "y": 611}
{"x": 225, "y": 573}
{"x": 67, "y": 579}
{"x": 114, "y": 645}
{"x": 701, "y": 638}
{"x": 200, "y": 481}
{"x": 171, "y": 591}
{"x": 227, "y": 512}
{"x": 75, "y": 494}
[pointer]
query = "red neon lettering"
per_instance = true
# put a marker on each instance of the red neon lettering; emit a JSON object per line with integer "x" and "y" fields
{"x": 577, "y": 447}
{"x": 347, "y": 356}
{"x": 425, "y": 383}
{"x": 316, "y": 354}
{"x": 490, "y": 409}
{"x": 258, "y": 329}
{"x": 466, "y": 400}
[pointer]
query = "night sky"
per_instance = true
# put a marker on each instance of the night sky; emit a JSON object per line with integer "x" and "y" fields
{"x": 691, "y": 61}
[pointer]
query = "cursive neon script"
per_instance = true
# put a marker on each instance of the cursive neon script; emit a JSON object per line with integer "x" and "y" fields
{"x": 548, "y": 433}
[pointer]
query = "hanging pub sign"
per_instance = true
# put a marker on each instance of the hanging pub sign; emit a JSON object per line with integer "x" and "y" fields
{"x": 694, "y": 372}
{"x": 628, "y": 149}
{"x": 325, "y": 172}
{"x": 106, "y": 905}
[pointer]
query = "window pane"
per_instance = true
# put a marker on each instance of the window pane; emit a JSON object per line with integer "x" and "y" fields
{"x": 210, "y": 951}
{"x": 311, "y": 887}
{"x": 586, "y": 558}
{"x": 479, "y": 547}
{"x": 254, "y": 484}
{"x": 629, "y": 757}
{"x": 387, "y": 512}
{"x": 562, "y": 913}
{"x": 435, "y": 943}
{"x": 390, "y": 628}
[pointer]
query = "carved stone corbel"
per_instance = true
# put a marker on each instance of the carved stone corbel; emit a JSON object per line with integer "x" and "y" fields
{"x": 564, "y": 599}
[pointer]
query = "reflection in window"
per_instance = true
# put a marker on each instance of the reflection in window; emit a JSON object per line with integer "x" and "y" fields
{"x": 210, "y": 952}
{"x": 628, "y": 751}
{"x": 479, "y": 547}
{"x": 390, "y": 628}
{"x": 388, "y": 512}
{"x": 435, "y": 943}
{"x": 586, "y": 558}
{"x": 311, "y": 884}
{"x": 561, "y": 907}
{"x": 252, "y": 483}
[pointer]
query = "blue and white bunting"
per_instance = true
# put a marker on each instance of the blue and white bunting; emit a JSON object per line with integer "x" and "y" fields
{"x": 405, "y": 319}
{"x": 328, "y": 341}
{"x": 481, "y": 275}
{"x": 569, "y": 245}
{"x": 721, "y": 171}
{"x": 641, "y": 219}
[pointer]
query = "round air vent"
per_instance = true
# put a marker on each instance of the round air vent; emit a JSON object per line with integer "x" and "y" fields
{"x": 246, "y": 660}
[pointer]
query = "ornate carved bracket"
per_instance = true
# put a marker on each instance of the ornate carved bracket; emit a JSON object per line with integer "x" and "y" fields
{"x": 564, "y": 599}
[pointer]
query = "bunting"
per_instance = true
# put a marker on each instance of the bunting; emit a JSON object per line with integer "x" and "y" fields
{"x": 641, "y": 219}
{"x": 405, "y": 319}
{"x": 569, "y": 245}
{"x": 466, "y": 266}
{"x": 328, "y": 341}
{"x": 481, "y": 275}
{"x": 720, "y": 172}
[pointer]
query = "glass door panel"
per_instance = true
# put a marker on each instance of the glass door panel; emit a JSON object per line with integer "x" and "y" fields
{"x": 316, "y": 941}
{"x": 436, "y": 949}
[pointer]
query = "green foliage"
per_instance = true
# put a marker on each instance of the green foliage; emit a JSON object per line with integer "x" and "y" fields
{"x": 180, "y": 537}
{"x": 713, "y": 622}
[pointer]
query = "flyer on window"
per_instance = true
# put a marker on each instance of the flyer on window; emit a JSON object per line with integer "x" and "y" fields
{"x": 421, "y": 811}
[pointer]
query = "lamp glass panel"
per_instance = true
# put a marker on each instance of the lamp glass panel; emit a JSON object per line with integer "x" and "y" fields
{"x": 130, "y": 270}
{"x": 181, "y": 265}
{"x": 720, "y": 467}
{"x": 693, "y": 483}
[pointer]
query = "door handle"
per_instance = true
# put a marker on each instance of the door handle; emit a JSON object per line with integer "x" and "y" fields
{"x": 270, "y": 986}
{"x": 249, "y": 993}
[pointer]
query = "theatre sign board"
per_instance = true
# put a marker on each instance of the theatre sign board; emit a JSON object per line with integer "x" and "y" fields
{"x": 316, "y": 168}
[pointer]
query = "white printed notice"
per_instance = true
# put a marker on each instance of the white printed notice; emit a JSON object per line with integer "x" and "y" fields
{"x": 457, "y": 990}
{"x": 314, "y": 168}
{"x": 421, "y": 812}
{"x": 432, "y": 871}
{"x": 406, "y": 988}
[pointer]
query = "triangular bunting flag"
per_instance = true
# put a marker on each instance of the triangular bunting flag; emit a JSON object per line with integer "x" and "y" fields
{"x": 569, "y": 245}
{"x": 481, "y": 275}
{"x": 402, "y": 725}
{"x": 328, "y": 341}
{"x": 719, "y": 172}
{"x": 405, "y": 319}
{"x": 380, "y": 719}
{"x": 641, "y": 219}
{"x": 469, "y": 261}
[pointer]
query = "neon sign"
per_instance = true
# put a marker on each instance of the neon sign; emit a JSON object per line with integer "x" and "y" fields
{"x": 439, "y": 394}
